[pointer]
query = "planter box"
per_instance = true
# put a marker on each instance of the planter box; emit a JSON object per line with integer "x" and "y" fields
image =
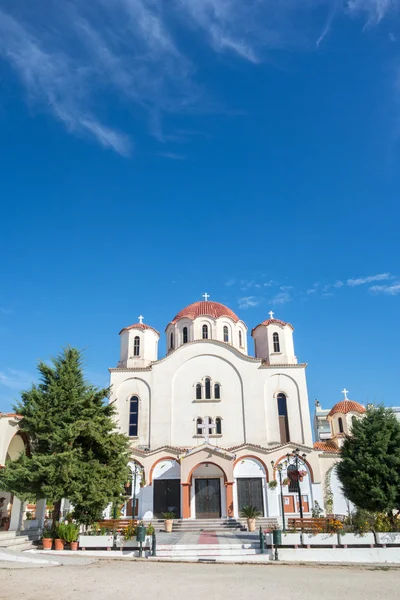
{"x": 30, "y": 524}
{"x": 355, "y": 539}
{"x": 390, "y": 538}
{"x": 291, "y": 539}
{"x": 133, "y": 543}
{"x": 96, "y": 541}
{"x": 320, "y": 539}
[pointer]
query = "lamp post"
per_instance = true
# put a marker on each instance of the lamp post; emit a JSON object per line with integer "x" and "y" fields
{"x": 294, "y": 459}
{"x": 278, "y": 468}
{"x": 137, "y": 470}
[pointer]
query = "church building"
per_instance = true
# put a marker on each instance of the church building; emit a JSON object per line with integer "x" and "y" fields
{"x": 211, "y": 426}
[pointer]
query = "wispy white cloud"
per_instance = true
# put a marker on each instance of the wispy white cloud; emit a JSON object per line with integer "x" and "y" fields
{"x": 172, "y": 155}
{"x": 15, "y": 379}
{"x": 281, "y": 298}
{"x": 77, "y": 58}
{"x": 388, "y": 290}
{"x": 375, "y": 10}
{"x": 369, "y": 279}
{"x": 230, "y": 282}
{"x": 249, "y": 301}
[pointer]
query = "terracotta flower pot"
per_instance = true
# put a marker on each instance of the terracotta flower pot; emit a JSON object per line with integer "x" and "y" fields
{"x": 47, "y": 543}
{"x": 251, "y": 524}
{"x": 59, "y": 544}
{"x": 168, "y": 525}
{"x": 6, "y": 526}
{"x": 74, "y": 545}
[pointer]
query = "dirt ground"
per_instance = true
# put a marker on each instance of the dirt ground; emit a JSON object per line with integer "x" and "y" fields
{"x": 108, "y": 579}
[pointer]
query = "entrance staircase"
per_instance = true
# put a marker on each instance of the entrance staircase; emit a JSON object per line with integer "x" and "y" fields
{"x": 218, "y": 525}
{"x": 18, "y": 540}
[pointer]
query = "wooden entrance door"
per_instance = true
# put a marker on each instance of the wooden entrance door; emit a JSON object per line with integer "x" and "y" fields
{"x": 167, "y": 497}
{"x": 208, "y": 498}
{"x": 250, "y": 493}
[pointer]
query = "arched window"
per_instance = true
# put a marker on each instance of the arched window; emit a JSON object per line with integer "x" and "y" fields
{"x": 185, "y": 335}
{"x": 198, "y": 391}
{"x": 240, "y": 339}
{"x": 205, "y": 332}
{"x": 275, "y": 339}
{"x": 136, "y": 346}
{"x": 283, "y": 419}
{"x": 226, "y": 333}
{"x": 217, "y": 391}
{"x": 133, "y": 416}
{"x": 218, "y": 426}
{"x": 208, "y": 388}
{"x": 171, "y": 341}
{"x": 340, "y": 423}
{"x": 199, "y": 426}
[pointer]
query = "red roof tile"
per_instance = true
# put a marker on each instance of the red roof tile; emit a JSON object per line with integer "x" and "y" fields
{"x": 139, "y": 326}
{"x": 272, "y": 322}
{"x": 346, "y": 406}
{"x": 209, "y": 309}
{"x": 326, "y": 447}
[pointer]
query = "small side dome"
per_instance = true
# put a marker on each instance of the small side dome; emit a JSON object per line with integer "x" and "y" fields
{"x": 141, "y": 326}
{"x": 346, "y": 406}
{"x": 273, "y": 322}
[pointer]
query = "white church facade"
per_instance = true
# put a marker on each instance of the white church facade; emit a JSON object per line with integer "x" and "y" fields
{"x": 209, "y": 423}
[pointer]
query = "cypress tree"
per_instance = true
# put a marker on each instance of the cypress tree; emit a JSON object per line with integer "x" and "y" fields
{"x": 75, "y": 450}
{"x": 370, "y": 467}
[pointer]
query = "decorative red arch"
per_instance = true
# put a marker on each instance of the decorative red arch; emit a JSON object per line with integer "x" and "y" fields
{"x": 204, "y": 462}
{"x": 156, "y": 463}
{"x": 255, "y": 458}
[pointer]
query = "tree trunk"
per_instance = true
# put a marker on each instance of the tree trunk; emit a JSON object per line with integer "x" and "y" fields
{"x": 56, "y": 512}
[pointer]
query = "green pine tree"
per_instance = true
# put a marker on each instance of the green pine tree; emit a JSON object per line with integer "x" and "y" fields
{"x": 75, "y": 450}
{"x": 370, "y": 467}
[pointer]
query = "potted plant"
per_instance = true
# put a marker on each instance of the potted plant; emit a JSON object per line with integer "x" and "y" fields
{"x": 286, "y": 481}
{"x": 97, "y": 537}
{"x": 169, "y": 519}
{"x": 272, "y": 484}
{"x": 47, "y": 538}
{"x": 6, "y": 523}
{"x": 59, "y": 542}
{"x": 250, "y": 513}
{"x": 71, "y": 533}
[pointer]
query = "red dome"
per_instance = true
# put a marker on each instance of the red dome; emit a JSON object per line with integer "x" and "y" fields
{"x": 272, "y": 322}
{"x": 202, "y": 309}
{"x": 346, "y": 406}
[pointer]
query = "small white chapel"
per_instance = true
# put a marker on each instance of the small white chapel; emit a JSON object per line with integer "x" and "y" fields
{"x": 211, "y": 426}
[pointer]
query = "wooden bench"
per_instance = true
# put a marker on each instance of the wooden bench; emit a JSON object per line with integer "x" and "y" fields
{"x": 118, "y": 524}
{"x": 312, "y": 525}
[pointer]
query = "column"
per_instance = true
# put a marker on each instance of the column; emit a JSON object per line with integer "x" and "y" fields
{"x": 185, "y": 500}
{"x": 15, "y": 520}
{"x": 40, "y": 512}
{"x": 229, "y": 499}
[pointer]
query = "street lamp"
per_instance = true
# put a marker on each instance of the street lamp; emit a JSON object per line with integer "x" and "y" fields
{"x": 293, "y": 460}
{"x": 137, "y": 470}
{"x": 278, "y": 468}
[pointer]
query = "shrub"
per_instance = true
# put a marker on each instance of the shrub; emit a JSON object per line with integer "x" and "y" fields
{"x": 250, "y": 512}
{"x": 71, "y": 532}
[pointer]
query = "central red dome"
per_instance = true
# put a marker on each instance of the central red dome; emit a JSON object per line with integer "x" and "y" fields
{"x": 203, "y": 309}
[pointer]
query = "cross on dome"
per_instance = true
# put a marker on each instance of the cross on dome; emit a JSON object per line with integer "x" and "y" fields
{"x": 345, "y": 392}
{"x": 141, "y": 319}
{"x": 271, "y": 314}
{"x": 206, "y": 296}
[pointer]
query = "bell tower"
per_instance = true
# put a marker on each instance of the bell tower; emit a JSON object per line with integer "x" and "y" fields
{"x": 139, "y": 345}
{"x": 273, "y": 341}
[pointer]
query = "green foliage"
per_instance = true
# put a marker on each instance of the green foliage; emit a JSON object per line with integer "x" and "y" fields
{"x": 28, "y": 516}
{"x": 76, "y": 453}
{"x": 272, "y": 484}
{"x": 362, "y": 521}
{"x": 71, "y": 532}
{"x": 48, "y": 533}
{"x": 316, "y": 511}
{"x": 370, "y": 467}
{"x": 130, "y": 532}
{"x": 250, "y": 512}
{"x": 61, "y": 531}
{"x": 150, "y": 529}
{"x": 168, "y": 516}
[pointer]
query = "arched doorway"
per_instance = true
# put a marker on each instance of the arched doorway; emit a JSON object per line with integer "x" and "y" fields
{"x": 166, "y": 483}
{"x": 251, "y": 484}
{"x": 208, "y": 492}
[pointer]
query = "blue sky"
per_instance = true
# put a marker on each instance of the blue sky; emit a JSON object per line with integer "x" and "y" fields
{"x": 156, "y": 150}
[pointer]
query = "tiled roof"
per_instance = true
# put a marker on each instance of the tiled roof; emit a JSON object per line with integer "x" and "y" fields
{"x": 139, "y": 326}
{"x": 346, "y": 406}
{"x": 326, "y": 447}
{"x": 202, "y": 309}
{"x": 272, "y": 322}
